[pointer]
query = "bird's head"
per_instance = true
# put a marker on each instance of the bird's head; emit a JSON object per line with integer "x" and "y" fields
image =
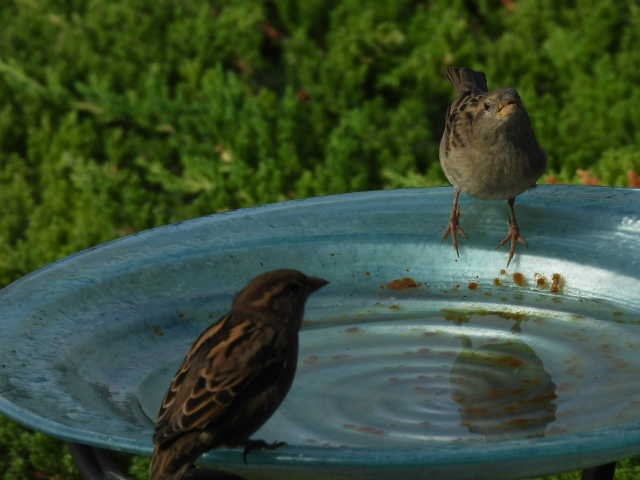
{"x": 501, "y": 104}
{"x": 497, "y": 108}
{"x": 283, "y": 292}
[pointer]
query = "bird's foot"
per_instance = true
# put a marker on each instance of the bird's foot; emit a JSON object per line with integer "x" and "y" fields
{"x": 252, "y": 445}
{"x": 514, "y": 237}
{"x": 453, "y": 229}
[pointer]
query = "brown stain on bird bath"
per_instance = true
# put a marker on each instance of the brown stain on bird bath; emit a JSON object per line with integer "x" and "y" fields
{"x": 557, "y": 283}
{"x": 352, "y": 330}
{"x": 311, "y": 360}
{"x": 340, "y": 356}
{"x": 456, "y": 316}
{"x": 402, "y": 284}
{"x": 364, "y": 429}
{"x": 157, "y": 331}
{"x": 519, "y": 279}
{"x": 460, "y": 317}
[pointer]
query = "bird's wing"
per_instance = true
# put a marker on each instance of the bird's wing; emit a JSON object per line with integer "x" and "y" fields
{"x": 221, "y": 363}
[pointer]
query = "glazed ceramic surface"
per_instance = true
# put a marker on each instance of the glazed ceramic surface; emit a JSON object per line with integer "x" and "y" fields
{"x": 413, "y": 362}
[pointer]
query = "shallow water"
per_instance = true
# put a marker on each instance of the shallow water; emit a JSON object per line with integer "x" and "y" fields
{"x": 416, "y": 367}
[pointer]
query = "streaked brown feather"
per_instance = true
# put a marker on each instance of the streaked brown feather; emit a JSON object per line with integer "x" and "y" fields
{"x": 209, "y": 334}
{"x": 238, "y": 356}
{"x": 178, "y": 380}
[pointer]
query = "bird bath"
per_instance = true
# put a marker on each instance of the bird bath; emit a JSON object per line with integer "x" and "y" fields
{"x": 413, "y": 362}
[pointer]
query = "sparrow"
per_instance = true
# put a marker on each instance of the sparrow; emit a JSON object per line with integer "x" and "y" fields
{"x": 488, "y": 149}
{"x": 234, "y": 376}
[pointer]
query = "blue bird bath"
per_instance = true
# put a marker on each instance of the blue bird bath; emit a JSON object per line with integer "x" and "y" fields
{"x": 414, "y": 363}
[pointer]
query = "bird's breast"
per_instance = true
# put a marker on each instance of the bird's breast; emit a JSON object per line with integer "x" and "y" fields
{"x": 493, "y": 173}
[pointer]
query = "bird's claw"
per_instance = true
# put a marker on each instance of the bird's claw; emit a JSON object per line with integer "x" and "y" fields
{"x": 514, "y": 237}
{"x": 454, "y": 228}
{"x": 252, "y": 445}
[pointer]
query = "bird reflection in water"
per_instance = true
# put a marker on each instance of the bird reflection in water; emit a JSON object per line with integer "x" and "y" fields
{"x": 503, "y": 390}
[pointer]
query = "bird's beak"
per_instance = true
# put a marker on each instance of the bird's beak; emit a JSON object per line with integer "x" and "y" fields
{"x": 507, "y": 108}
{"x": 315, "y": 283}
{"x": 508, "y": 104}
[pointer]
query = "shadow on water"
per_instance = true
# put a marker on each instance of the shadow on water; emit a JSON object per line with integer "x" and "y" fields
{"x": 503, "y": 390}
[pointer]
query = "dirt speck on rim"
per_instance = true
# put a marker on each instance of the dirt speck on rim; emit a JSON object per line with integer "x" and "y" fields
{"x": 352, "y": 329}
{"x": 311, "y": 360}
{"x": 503, "y": 272}
{"x": 157, "y": 331}
{"x": 364, "y": 429}
{"x": 456, "y": 316}
{"x": 403, "y": 284}
{"x": 497, "y": 282}
{"x": 557, "y": 283}
{"x": 519, "y": 279}
{"x": 472, "y": 285}
{"x": 341, "y": 356}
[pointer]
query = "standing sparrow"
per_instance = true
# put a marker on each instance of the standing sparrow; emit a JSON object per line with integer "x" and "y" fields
{"x": 235, "y": 375}
{"x": 488, "y": 149}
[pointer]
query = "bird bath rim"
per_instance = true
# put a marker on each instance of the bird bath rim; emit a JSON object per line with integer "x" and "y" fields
{"x": 619, "y": 201}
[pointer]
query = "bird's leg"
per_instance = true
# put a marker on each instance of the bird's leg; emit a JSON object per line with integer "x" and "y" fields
{"x": 454, "y": 225}
{"x": 252, "y": 445}
{"x": 513, "y": 234}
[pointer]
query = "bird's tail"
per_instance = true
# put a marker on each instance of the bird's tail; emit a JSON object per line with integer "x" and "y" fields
{"x": 464, "y": 79}
{"x": 167, "y": 464}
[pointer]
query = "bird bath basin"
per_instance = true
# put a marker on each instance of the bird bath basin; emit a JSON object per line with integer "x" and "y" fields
{"x": 413, "y": 362}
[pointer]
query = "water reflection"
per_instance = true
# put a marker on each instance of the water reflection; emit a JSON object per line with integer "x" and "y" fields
{"x": 502, "y": 390}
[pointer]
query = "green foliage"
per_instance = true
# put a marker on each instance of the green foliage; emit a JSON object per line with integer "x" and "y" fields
{"x": 26, "y": 455}
{"x": 139, "y": 468}
{"x": 121, "y": 115}
{"x": 615, "y": 164}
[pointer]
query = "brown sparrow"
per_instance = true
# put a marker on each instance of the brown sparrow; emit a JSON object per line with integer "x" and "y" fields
{"x": 235, "y": 375}
{"x": 488, "y": 149}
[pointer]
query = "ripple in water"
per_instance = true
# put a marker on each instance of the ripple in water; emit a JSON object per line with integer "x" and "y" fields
{"x": 420, "y": 371}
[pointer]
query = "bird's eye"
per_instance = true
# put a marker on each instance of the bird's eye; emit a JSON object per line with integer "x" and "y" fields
{"x": 487, "y": 106}
{"x": 295, "y": 288}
